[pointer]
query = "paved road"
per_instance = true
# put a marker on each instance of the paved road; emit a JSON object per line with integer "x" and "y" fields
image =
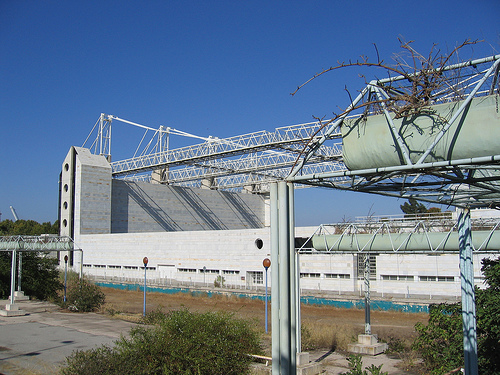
{"x": 38, "y": 343}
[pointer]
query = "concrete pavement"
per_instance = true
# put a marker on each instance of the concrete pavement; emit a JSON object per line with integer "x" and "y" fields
{"x": 39, "y": 342}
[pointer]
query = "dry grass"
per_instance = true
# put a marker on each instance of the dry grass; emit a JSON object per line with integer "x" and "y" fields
{"x": 323, "y": 327}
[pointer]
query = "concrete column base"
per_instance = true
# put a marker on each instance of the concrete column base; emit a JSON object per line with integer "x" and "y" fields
{"x": 304, "y": 367}
{"x": 367, "y": 344}
{"x": 19, "y": 296}
{"x": 12, "y": 310}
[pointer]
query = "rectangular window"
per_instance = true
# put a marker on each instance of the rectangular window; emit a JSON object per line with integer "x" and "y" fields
{"x": 115, "y": 267}
{"x": 257, "y": 277}
{"x": 230, "y": 272}
{"x": 446, "y": 278}
{"x": 187, "y": 270}
{"x": 209, "y": 271}
{"x": 309, "y": 274}
{"x": 372, "y": 264}
{"x": 427, "y": 278}
{"x": 99, "y": 266}
{"x": 131, "y": 267}
{"x": 396, "y": 277}
{"x": 337, "y": 276}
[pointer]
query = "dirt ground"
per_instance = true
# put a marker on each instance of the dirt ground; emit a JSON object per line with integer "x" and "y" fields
{"x": 390, "y": 326}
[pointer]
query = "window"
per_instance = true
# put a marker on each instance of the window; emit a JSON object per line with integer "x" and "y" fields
{"x": 256, "y": 277}
{"x": 115, "y": 267}
{"x": 209, "y": 271}
{"x": 230, "y": 272}
{"x": 87, "y": 265}
{"x": 309, "y": 274}
{"x": 372, "y": 263}
{"x": 397, "y": 277}
{"x": 188, "y": 270}
{"x": 446, "y": 278}
{"x": 337, "y": 276}
{"x": 131, "y": 267}
{"x": 427, "y": 278}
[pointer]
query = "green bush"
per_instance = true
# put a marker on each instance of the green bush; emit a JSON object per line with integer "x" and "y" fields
{"x": 440, "y": 342}
{"x": 181, "y": 343}
{"x": 355, "y": 366}
{"x": 84, "y": 296}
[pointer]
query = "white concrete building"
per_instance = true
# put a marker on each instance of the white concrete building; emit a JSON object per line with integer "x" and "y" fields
{"x": 196, "y": 236}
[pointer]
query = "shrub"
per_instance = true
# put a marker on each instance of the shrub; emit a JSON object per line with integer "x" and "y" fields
{"x": 84, "y": 296}
{"x": 181, "y": 343}
{"x": 355, "y": 365}
{"x": 219, "y": 282}
{"x": 440, "y": 342}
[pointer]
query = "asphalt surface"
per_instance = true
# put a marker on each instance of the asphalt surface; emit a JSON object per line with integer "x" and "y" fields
{"x": 39, "y": 342}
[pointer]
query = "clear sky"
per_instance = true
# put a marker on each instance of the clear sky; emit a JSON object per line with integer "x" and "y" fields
{"x": 217, "y": 68}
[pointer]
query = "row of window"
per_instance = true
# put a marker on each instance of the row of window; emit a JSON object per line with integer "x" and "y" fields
{"x": 257, "y": 276}
{"x": 117, "y": 267}
{"x": 421, "y": 278}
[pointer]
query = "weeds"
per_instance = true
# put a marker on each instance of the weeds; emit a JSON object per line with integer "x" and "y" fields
{"x": 355, "y": 365}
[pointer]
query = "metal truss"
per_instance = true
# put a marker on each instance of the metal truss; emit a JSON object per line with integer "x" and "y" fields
{"x": 436, "y": 233}
{"x": 37, "y": 243}
{"x": 466, "y": 182}
{"x": 285, "y": 139}
{"x": 248, "y": 161}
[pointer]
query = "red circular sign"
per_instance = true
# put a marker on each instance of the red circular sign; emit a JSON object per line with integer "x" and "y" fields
{"x": 266, "y": 263}
{"x": 145, "y": 260}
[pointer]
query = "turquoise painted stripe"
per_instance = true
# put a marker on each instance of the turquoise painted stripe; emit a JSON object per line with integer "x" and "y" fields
{"x": 308, "y": 300}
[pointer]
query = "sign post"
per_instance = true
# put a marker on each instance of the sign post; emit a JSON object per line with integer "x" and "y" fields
{"x": 266, "y": 263}
{"x": 145, "y": 261}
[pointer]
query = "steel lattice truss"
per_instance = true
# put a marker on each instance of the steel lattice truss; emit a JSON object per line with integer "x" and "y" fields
{"x": 37, "y": 243}
{"x": 463, "y": 182}
{"x": 247, "y": 161}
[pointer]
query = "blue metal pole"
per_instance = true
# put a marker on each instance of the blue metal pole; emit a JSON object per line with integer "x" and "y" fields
{"x": 468, "y": 295}
{"x": 267, "y": 331}
{"x": 145, "y": 261}
{"x": 144, "y": 307}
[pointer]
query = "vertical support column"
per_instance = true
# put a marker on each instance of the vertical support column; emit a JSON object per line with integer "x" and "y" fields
{"x": 275, "y": 285}
{"x": 294, "y": 293}
{"x": 13, "y": 277}
{"x": 284, "y": 317}
{"x": 284, "y": 272}
{"x": 468, "y": 297}
{"x": 368, "y": 327}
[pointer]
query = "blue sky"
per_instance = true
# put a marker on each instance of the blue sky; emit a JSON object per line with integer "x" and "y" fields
{"x": 217, "y": 68}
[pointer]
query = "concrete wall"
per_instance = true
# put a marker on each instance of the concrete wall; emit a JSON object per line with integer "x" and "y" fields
{"x": 143, "y": 207}
{"x": 232, "y": 254}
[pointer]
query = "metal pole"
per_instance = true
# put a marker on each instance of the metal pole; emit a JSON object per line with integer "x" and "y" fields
{"x": 145, "y": 261}
{"x": 275, "y": 280}
{"x": 65, "y": 274}
{"x": 13, "y": 277}
{"x": 267, "y": 331}
{"x": 468, "y": 297}
{"x": 368, "y": 329}
{"x": 19, "y": 271}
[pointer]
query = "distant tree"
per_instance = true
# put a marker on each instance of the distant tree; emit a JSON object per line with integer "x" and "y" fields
{"x": 412, "y": 207}
{"x": 40, "y": 276}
